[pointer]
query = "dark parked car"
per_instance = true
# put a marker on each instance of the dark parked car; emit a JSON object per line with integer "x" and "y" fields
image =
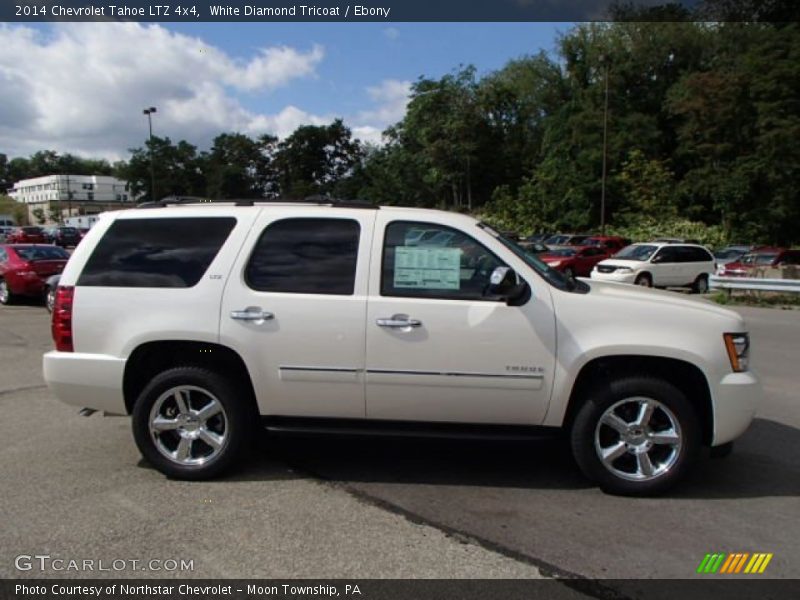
{"x": 27, "y": 235}
{"x": 65, "y": 236}
{"x": 24, "y": 269}
{"x": 613, "y": 243}
{"x": 575, "y": 261}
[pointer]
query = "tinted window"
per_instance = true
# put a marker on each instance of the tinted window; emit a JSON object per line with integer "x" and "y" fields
{"x": 455, "y": 267}
{"x": 305, "y": 256}
{"x": 698, "y": 255}
{"x": 172, "y": 253}
{"x": 668, "y": 254}
{"x": 32, "y": 230}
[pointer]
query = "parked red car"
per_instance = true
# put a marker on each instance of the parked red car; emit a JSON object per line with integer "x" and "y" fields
{"x": 760, "y": 257}
{"x": 613, "y": 243}
{"x": 27, "y": 235}
{"x": 575, "y": 261}
{"x": 24, "y": 268}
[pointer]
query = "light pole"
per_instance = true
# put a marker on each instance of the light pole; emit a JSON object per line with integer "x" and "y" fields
{"x": 149, "y": 112}
{"x": 604, "y": 61}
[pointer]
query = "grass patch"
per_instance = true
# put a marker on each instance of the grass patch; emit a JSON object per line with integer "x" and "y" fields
{"x": 762, "y": 299}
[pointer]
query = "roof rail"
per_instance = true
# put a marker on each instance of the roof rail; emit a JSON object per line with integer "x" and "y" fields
{"x": 318, "y": 199}
{"x": 173, "y": 200}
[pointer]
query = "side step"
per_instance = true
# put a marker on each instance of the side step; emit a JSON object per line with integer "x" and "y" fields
{"x": 406, "y": 429}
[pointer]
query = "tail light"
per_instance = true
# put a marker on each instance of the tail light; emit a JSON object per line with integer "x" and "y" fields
{"x": 62, "y": 319}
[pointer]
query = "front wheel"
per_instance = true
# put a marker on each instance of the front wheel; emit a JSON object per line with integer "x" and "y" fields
{"x": 192, "y": 423}
{"x": 636, "y": 437}
{"x": 644, "y": 280}
{"x": 49, "y": 298}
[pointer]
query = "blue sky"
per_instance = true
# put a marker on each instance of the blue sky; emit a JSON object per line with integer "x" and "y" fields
{"x": 80, "y": 87}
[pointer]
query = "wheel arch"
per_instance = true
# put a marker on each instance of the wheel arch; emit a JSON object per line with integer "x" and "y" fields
{"x": 151, "y": 358}
{"x": 686, "y": 376}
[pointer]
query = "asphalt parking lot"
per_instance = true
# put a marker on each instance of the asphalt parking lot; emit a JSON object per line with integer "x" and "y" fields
{"x": 76, "y": 487}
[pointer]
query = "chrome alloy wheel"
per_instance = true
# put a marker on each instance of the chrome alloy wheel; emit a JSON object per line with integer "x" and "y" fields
{"x": 188, "y": 425}
{"x": 4, "y": 293}
{"x": 638, "y": 439}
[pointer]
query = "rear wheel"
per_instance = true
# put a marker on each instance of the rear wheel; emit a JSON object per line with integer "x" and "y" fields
{"x": 637, "y": 437}
{"x": 6, "y": 295}
{"x": 192, "y": 423}
{"x": 644, "y": 280}
{"x": 700, "y": 285}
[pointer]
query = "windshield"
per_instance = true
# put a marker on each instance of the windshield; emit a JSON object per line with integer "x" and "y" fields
{"x": 32, "y": 229}
{"x": 722, "y": 254}
{"x": 556, "y": 240}
{"x": 636, "y": 252}
{"x": 553, "y": 277}
{"x": 31, "y": 253}
{"x": 562, "y": 252}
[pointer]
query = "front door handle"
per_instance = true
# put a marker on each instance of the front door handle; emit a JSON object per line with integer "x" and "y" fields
{"x": 398, "y": 322}
{"x": 252, "y": 313}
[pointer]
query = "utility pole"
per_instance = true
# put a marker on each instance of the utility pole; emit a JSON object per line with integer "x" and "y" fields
{"x": 604, "y": 60}
{"x": 149, "y": 112}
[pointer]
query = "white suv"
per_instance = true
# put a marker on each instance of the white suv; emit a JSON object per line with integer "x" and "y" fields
{"x": 659, "y": 264}
{"x": 202, "y": 320}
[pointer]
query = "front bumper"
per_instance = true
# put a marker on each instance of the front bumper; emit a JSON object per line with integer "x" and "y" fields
{"x": 736, "y": 398}
{"x": 616, "y": 276}
{"x": 86, "y": 380}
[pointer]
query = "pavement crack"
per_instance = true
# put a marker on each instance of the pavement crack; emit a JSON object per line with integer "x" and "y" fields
{"x": 23, "y": 388}
{"x": 574, "y": 581}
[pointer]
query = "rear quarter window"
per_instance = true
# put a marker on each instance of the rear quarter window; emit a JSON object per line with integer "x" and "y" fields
{"x": 156, "y": 253}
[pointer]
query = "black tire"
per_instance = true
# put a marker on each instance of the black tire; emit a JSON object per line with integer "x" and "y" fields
{"x": 700, "y": 285}
{"x": 586, "y": 432}
{"x": 644, "y": 280}
{"x": 721, "y": 451}
{"x": 234, "y": 424}
{"x": 49, "y": 298}
{"x": 6, "y": 295}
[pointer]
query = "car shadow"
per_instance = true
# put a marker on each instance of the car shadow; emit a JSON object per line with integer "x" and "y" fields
{"x": 762, "y": 463}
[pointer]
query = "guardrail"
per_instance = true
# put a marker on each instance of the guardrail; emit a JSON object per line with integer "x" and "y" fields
{"x": 715, "y": 282}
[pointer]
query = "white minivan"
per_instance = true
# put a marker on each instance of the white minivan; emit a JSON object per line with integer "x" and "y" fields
{"x": 659, "y": 264}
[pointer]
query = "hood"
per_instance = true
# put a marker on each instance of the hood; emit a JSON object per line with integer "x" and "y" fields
{"x": 620, "y": 262}
{"x": 625, "y": 293}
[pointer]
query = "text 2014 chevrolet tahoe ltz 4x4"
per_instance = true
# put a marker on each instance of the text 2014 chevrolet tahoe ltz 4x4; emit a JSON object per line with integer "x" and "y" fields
{"x": 200, "y": 320}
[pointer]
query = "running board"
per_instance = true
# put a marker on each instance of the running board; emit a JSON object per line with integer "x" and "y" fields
{"x": 405, "y": 429}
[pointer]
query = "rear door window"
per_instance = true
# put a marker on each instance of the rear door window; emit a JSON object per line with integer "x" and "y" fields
{"x": 157, "y": 253}
{"x": 305, "y": 256}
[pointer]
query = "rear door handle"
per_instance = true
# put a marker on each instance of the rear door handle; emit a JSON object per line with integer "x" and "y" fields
{"x": 252, "y": 313}
{"x": 398, "y": 322}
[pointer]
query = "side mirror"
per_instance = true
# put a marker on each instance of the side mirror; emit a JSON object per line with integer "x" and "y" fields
{"x": 505, "y": 286}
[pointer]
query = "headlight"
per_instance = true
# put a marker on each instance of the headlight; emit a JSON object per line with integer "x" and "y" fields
{"x": 555, "y": 263}
{"x": 738, "y": 347}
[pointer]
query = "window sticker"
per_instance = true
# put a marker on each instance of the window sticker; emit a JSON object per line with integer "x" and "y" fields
{"x": 427, "y": 268}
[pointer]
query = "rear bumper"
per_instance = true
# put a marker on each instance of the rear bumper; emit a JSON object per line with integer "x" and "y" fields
{"x": 86, "y": 380}
{"x": 735, "y": 402}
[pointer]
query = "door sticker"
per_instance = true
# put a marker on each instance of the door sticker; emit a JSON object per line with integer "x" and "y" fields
{"x": 427, "y": 268}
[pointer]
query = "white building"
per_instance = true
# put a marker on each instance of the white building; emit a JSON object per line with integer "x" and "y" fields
{"x": 60, "y": 196}
{"x": 84, "y": 188}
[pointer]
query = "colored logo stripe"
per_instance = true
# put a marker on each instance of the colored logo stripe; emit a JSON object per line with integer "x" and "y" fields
{"x": 720, "y": 562}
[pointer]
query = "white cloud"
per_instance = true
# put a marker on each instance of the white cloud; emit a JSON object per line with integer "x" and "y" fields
{"x": 391, "y": 98}
{"x": 81, "y": 87}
